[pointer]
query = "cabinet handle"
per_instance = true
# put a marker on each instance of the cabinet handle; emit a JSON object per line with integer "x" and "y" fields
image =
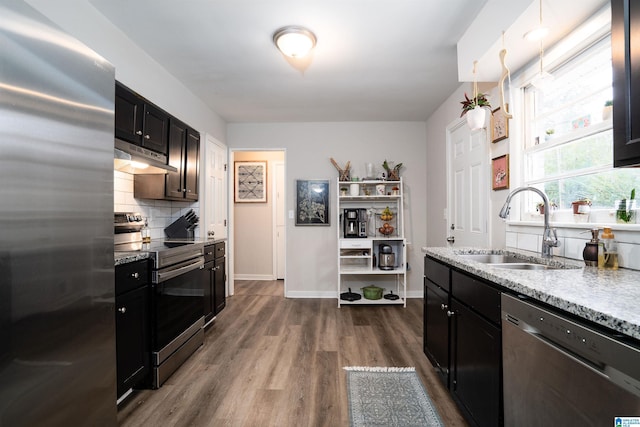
{"x": 188, "y": 191}
{"x": 443, "y": 306}
{"x": 147, "y": 137}
{"x": 139, "y": 132}
{"x": 450, "y": 313}
{"x": 209, "y": 253}
{"x": 122, "y": 310}
{"x": 135, "y": 275}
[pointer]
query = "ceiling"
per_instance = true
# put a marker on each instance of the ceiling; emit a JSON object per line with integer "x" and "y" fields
{"x": 375, "y": 60}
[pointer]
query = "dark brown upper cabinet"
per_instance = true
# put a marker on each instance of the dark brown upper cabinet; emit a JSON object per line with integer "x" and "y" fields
{"x": 183, "y": 154}
{"x": 625, "y": 53}
{"x": 140, "y": 122}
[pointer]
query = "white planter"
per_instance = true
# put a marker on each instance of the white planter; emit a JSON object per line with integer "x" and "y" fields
{"x": 476, "y": 118}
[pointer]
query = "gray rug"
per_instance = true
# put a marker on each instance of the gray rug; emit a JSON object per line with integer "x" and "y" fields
{"x": 380, "y": 396}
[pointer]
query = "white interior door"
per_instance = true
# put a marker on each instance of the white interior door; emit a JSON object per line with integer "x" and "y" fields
{"x": 468, "y": 186}
{"x": 279, "y": 220}
{"x": 216, "y": 188}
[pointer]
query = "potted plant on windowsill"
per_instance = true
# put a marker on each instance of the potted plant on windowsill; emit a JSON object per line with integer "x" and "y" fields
{"x": 476, "y": 110}
{"x": 581, "y": 206}
{"x": 607, "y": 110}
{"x": 540, "y": 207}
{"x": 625, "y": 209}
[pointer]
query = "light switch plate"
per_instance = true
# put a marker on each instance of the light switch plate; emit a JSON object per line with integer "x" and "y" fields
{"x": 291, "y": 214}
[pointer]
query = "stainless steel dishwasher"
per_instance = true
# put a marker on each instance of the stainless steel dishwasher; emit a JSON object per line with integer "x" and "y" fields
{"x": 557, "y": 371}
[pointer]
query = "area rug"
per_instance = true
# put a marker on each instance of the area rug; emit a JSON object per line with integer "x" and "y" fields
{"x": 381, "y": 396}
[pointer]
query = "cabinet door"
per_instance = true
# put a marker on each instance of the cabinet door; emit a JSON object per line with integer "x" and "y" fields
{"x": 219, "y": 287}
{"x": 625, "y": 50}
{"x": 192, "y": 152}
{"x": 156, "y": 125}
{"x": 129, "y": 115}
{"x": 175, "y": 180}
{"x": 436, "y": 328}
{"x": 476, "y": 366}
{"x": 132, "y": 346}
{"x": 208, "y": 284}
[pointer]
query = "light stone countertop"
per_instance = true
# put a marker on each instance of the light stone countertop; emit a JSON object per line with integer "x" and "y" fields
{"x": 609, "y": 298}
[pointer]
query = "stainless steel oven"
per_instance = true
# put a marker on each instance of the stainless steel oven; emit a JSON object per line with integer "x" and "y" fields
{"x": 177, "y": 300}
{"x": 177, "y": 295}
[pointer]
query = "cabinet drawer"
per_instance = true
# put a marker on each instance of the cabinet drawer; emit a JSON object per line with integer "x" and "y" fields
{"x": 436, "y": 272}
{"x": 219, "y": 250}
{"x": 131, "y": 275}
{"x": 476, "y": 294}
{"x": 355, "y": 244}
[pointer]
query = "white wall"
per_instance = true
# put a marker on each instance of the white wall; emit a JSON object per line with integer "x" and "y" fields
{"x": 133, "y": 66}
{"x": 312, "y": 251}
{"x": 141, "y": 73}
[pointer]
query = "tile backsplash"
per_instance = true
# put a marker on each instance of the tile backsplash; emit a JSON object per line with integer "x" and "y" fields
{"x": 160, "y": 213}
{"x": 528, "y": 236}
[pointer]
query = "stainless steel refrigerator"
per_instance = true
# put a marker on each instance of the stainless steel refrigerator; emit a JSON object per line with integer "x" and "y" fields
{"x": 57, "y": 332}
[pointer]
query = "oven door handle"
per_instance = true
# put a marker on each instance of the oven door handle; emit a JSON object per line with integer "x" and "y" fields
{"x": 179, "y": 269}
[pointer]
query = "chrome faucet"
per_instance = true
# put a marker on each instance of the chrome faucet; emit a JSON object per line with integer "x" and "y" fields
{"x": 549, "y": 235}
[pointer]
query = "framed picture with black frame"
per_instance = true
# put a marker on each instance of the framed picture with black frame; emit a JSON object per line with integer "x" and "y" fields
{"x": 312, "y": 202}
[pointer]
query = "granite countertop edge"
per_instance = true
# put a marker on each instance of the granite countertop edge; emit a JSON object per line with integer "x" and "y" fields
{"x": 605, "y": 297}
{"x": 127, "y": 257}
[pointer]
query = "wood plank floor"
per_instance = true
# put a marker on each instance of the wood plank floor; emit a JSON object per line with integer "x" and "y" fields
{"x": 271, "y": 361}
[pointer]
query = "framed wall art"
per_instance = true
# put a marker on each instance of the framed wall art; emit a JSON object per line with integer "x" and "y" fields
{"x": 499, "y": 125}
{"x": 250, "y": 182}
{"x": 500, "y": 172}
{"x": 312, "y": 202}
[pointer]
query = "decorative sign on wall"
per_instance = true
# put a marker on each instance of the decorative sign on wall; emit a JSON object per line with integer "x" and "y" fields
{"x": 312, "y": 202}
{"x": 250, "y": 183}
{"x": 499, "y": 125}
{"x": 500, "y": 172}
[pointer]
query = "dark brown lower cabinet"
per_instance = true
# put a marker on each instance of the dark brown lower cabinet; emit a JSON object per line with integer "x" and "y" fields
{"x": 476, "y": 373}
{"x": 133, "y": 358}
{"x": 463, "y": 340}
{"x": 214, "y": 280}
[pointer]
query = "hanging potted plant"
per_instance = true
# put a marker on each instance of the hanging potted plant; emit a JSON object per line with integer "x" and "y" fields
{"x": 476, "y": 110}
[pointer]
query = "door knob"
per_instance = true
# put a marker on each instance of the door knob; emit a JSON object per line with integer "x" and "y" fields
{"x": 443, "y": 306}
{"x": 451, "y": 239}
{"x": 122, "y": 310}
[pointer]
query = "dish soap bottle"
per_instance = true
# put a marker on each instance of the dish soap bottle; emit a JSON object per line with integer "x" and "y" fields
{"x": 608, "y": 251}
{"x": 590, "y": 252}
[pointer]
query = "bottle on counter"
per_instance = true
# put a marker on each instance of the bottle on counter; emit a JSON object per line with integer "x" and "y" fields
{"x": 146, "y": 233}
{"x": 590, "y": 252}
{"x": 608, "y": 251}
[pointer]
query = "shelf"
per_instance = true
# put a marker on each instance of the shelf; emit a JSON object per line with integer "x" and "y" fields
{"x": 375, "y": 270}
{"x": 382, "y": 301}
{"x": 356, "y": 255}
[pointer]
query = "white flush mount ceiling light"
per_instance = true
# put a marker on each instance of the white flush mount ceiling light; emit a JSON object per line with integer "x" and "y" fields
{"x": 294, "y": 41}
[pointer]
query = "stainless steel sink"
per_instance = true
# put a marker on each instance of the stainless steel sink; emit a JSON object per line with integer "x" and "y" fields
{"x": 493, "y": 258}
{"x": 513, "y": 262}
{"x": 524, "y": 266}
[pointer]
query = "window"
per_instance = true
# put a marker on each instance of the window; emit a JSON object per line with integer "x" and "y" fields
{"x": 568, "y": 136}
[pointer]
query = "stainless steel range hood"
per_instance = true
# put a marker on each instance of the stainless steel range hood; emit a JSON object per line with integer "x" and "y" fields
{"x": 132, "y": 159}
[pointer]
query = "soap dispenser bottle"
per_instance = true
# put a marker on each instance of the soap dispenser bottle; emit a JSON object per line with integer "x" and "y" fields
{"x": 590, "y": 252}
{"x": 608, "y": 251}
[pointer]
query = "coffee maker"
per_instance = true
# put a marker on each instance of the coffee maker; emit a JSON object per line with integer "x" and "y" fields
{"x": 355, "y": 223}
